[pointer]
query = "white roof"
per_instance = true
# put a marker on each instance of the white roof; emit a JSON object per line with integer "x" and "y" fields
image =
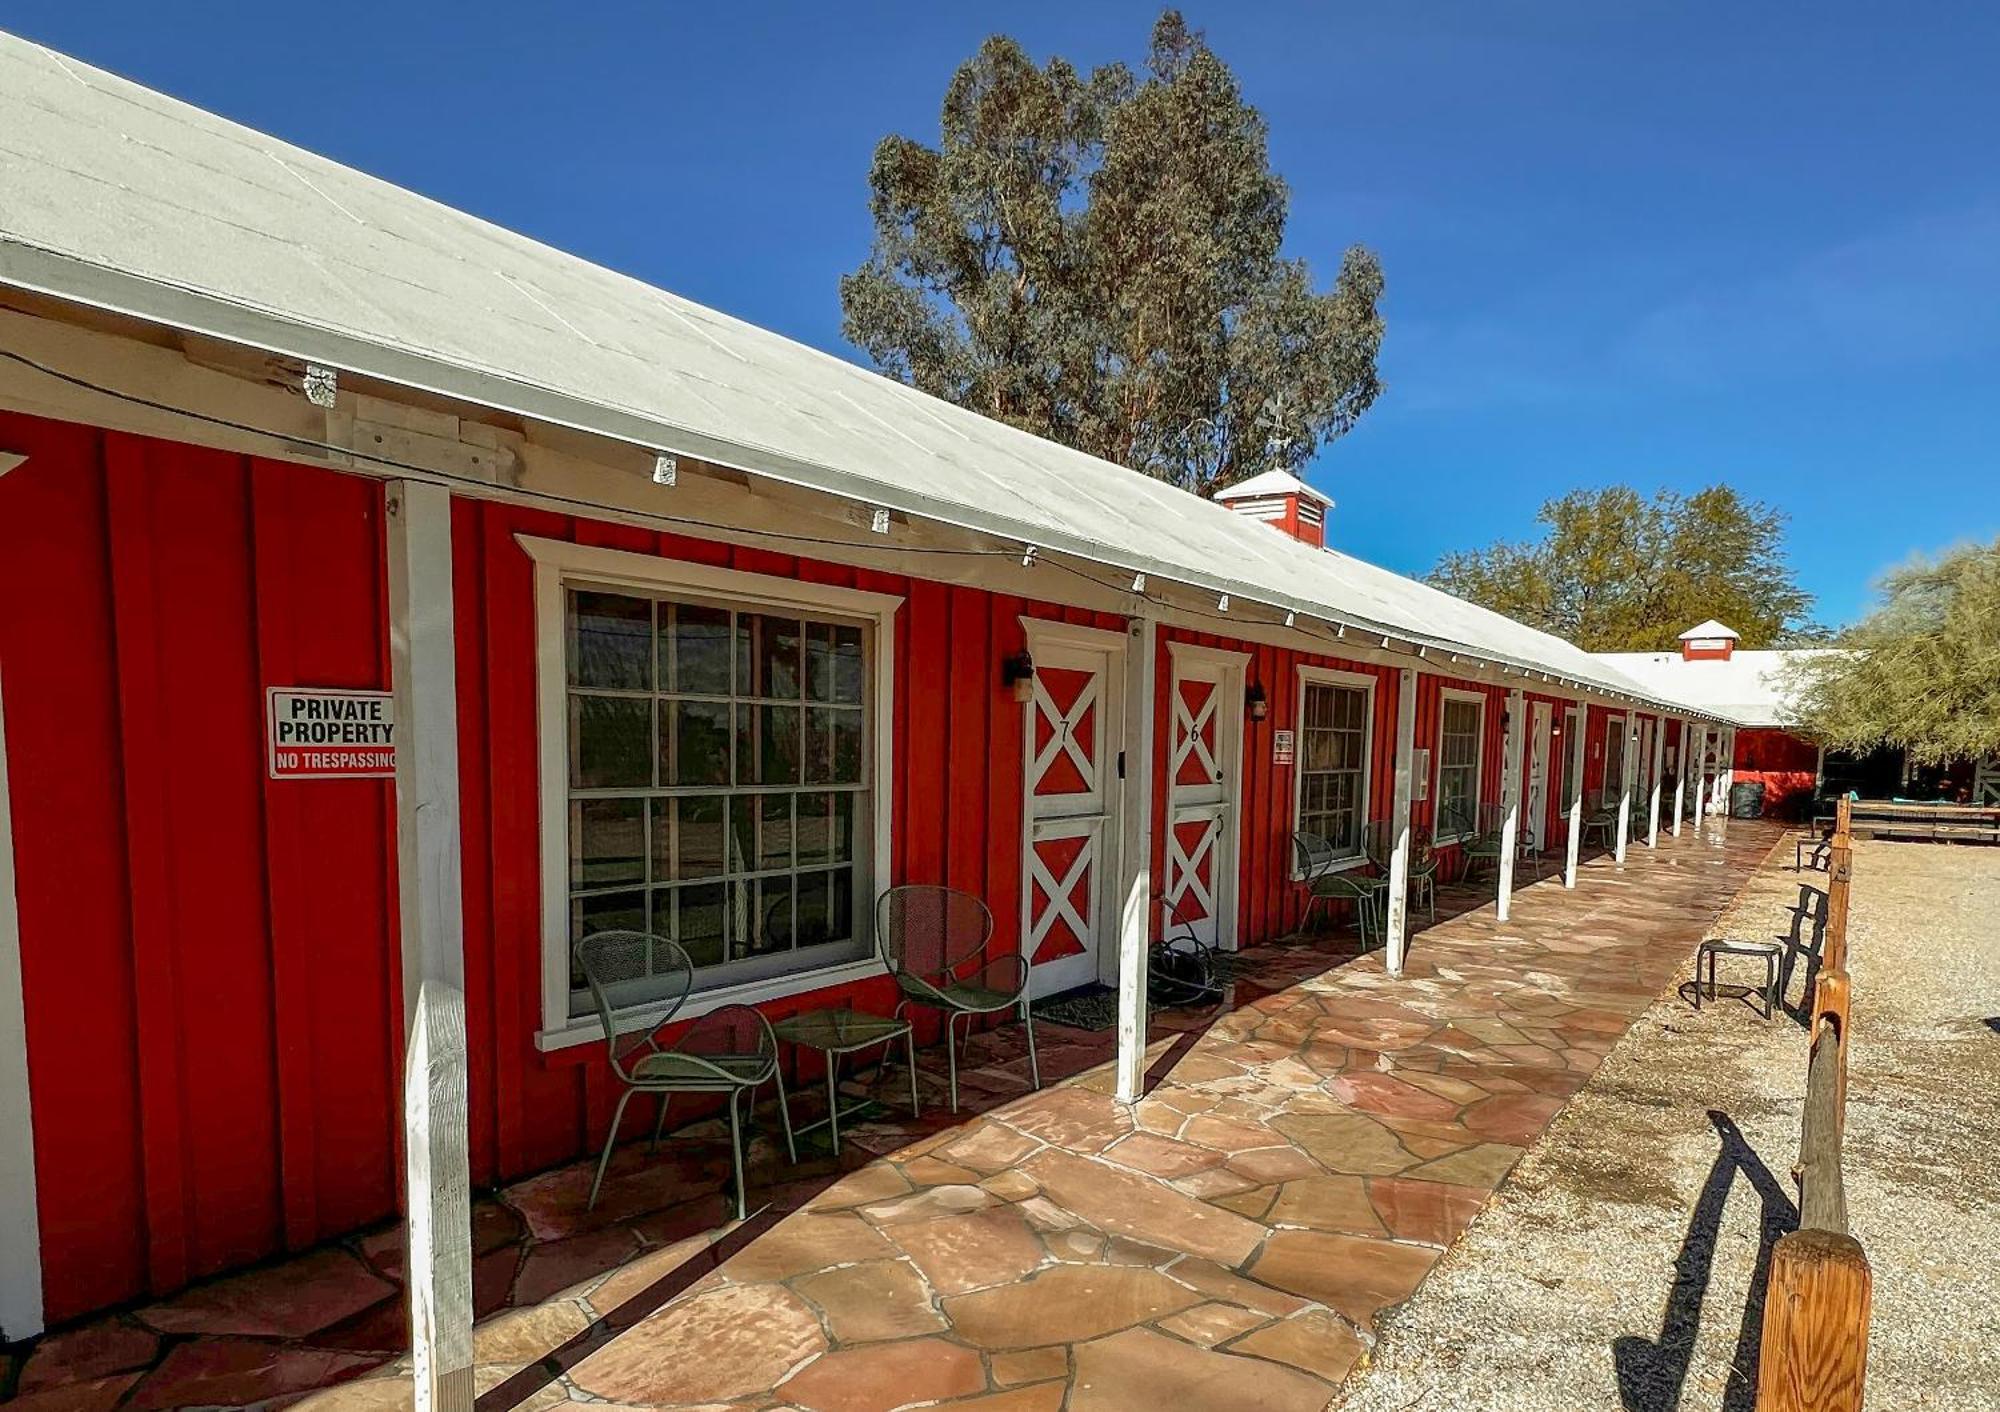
{"x": 119, "y": 197}
{"x": 1709, "y": 629}
{"x": 1745, "y": 687}
{"x": 1271, "y": 483}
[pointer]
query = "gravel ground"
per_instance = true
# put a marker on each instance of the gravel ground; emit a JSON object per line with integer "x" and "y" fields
{"x": 1622, "y": 1265}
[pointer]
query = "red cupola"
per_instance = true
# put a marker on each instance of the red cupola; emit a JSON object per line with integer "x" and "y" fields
{"x": 1284, "y": 502}
{"x": 1708, "y": 642}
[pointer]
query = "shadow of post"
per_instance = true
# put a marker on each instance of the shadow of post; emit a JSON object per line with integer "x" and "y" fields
{"x": 1810, "y": 909}
{"x": 1652, "y": 1372}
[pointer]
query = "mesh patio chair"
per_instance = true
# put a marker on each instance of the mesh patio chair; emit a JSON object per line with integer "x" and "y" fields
{"x": 933, "y": 940}
{"x": 1181, "y": 968}
{"x": 1600, "y": 818}
{"x": 1478, "y": 841}
{"x": 729, "y": 1051}
{"x": 1423, "y": 864}
{"x": 1329, "y": 876}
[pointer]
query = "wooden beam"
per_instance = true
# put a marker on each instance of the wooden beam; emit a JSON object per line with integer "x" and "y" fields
{"x": 1700, "y": 757}
{"x": 1510, "y": 798}
{"x": 1627, "y": 765}
{"x": 437, "y": 1172}
{"x": 1681, "y": 774}
{"x": 1396, "y": 941}
{"x": 1573, "y": 844}
{"x": 1659, "y": 764}
{"x": 1135, "y": 855}
{"x": 20, "y": 1218}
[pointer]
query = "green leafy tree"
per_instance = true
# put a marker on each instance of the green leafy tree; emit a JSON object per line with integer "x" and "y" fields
{"x": 1096, "y": 258}
{"x": 1920, "y": 673}
{"x": 1616, "y": 572}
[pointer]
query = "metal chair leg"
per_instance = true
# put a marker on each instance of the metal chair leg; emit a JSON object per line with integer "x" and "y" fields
{"x": 951, "y": 1054}
{"x": 833, "y": 1100}
{"x": 736, "y": 1153}
{"x": 785, "y": 1116}
{"x": 659, "y": 1124}
{"x": 1028, "y": 1022}
{"x": 610, "y": 1141}
{"x": 910, "y": 1057}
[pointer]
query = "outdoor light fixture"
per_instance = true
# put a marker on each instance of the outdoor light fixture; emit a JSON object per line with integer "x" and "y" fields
{"x": 878, "y": 520}
{"x": 1222, "y": 604}
{"x": 1138, "y": 583}
{"x": 1255, "y": 702}
{"x": 1017, "y": 673}
{"x": 1291, "y": 619}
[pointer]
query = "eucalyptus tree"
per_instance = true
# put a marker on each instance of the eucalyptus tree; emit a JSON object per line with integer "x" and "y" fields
{"x": 1098, "y": 258}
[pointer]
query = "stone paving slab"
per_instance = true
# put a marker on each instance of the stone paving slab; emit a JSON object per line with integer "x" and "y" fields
{"x": 1301, "y": 1162}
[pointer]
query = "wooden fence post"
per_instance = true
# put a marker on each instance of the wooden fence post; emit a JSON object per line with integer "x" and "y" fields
{"x": 1813, "y": 1356}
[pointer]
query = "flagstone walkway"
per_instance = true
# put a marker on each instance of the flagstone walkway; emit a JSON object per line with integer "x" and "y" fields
{"x": 1301, "y": 1161}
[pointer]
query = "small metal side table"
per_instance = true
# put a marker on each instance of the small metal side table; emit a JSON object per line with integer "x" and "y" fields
{"x": 837, "y": 1032}
{"x": 1768, "y": 951}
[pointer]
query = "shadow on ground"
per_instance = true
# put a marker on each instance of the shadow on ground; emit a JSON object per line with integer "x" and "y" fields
{"x": 1652, "y": 1372}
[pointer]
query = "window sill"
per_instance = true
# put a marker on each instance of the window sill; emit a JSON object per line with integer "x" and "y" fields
{"x": 588, "y": 1029}
{"x": 1345, "y": 865}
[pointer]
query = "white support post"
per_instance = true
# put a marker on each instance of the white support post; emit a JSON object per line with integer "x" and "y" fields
{"x": 1681, "y": 774}
{"x": 437, "y": 1172}
{"x": 1627, "y": 764}
{"x": 1399, "y": 821}
{"x": 1135, "y": 917}
{"x": 1573, "y": 843}
{"x": 1659, "y": 764}
{"x": 1510, "y": 798}
{"x": 1701, "y": 775}
{"x": 1725, "y": 772}
{"x": 20, "y": 1219}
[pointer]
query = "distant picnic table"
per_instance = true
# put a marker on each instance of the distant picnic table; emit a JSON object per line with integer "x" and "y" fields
{"x": 1938, "y": 820}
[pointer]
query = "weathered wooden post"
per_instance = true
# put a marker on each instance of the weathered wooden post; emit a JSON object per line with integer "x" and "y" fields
{"x": 1813, "y": 1356}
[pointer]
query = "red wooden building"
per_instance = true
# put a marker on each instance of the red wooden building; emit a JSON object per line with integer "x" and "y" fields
{"x": 393, "y": 599}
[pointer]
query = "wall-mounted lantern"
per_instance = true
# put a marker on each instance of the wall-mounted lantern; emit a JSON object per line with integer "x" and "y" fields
{"x": 1255, "y": 702}
{"x": 1017, "y": 673}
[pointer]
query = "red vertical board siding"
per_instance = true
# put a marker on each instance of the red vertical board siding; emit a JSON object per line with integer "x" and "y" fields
{"x": 65, "y": 777}
{"x": 203, "y": 954}
{"x": 1267, "y": 901}
{"x": 317, "y": 540}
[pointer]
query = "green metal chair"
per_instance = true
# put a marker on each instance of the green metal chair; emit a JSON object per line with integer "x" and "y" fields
{"x": 1600, "y": 818}
{"x": 1423, "y": 864}
{"x": 1329, "y": 876}
{"x": 933, "y": 940}
{"x": 729, "y": 1051}
{"x": 1479, "y": 844}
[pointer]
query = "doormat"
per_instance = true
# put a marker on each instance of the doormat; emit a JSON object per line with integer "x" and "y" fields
{"x": 1088, "y": 1007}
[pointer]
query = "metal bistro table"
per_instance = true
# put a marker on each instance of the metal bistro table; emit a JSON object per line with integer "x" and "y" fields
{"x": 837, "y": 1032}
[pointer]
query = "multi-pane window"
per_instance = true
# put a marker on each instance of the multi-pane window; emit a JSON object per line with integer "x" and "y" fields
{"x": 718, "y": 768}
{"x": 1333, "y": 755}
{"x": 1458, "y": 765}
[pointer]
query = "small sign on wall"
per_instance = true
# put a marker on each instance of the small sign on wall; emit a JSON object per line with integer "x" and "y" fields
{"x": 1284, "y": 747}
{"x": 325, "y": 733}
{"x": 1420, "y": 774}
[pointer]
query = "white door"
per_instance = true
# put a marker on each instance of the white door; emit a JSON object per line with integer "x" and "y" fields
{"x": 1643, "y": 766}
{"x": 1203, "y": 752}
{"x": 1073, "y": 724}
{"x": 1614, "y": 760}
{"x": 1538, "y": 776}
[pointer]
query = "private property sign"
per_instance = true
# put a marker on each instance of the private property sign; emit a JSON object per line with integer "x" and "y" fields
{"x": 325, "y": 733}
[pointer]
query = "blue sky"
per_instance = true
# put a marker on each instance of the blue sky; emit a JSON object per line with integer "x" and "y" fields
{"x": 1666, "y": 244}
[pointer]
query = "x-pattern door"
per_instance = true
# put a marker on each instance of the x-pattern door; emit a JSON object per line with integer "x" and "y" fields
{"x": 1201, "y": 791}
{"x": 1070, "y": 728}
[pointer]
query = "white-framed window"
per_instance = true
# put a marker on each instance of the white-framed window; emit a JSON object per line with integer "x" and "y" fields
{"x": 714, "y": 769}
{"x": 1461, "y": 744}
{"x": 1336, "y": 728}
